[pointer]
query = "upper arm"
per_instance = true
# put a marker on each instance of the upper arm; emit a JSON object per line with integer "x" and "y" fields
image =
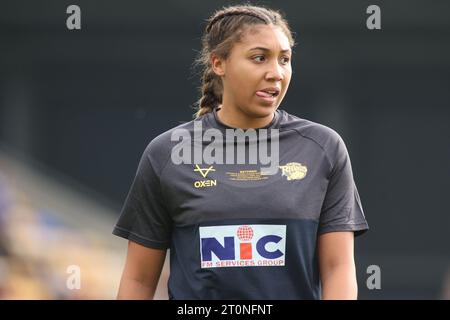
{"x": 144, "y": 264}
{"x": 335, "y": 248}
{"x": 337, "y": 266}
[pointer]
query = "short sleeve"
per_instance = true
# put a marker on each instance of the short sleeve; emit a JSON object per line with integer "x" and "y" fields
{"x": 342, "y": 209}
{"x": 144, "y": 218}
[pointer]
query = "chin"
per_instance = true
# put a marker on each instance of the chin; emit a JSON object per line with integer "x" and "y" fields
{"x": 256, "y": 110}
{"x": 264, "y": 110}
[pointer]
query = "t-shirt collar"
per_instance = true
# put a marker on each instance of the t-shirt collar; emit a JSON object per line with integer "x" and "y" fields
{"x": 214, "y": 121}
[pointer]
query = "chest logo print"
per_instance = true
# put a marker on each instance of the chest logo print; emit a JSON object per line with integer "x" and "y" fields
{"x": 294, "y": 171}
{"x": 255, "y": 245}
{"x": 204, "y": 172}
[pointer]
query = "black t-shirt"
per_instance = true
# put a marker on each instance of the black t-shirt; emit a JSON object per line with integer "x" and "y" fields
{"x": 235, "y": 233}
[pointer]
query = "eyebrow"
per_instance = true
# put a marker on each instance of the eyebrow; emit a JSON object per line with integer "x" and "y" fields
{"x": 266, "y": 49}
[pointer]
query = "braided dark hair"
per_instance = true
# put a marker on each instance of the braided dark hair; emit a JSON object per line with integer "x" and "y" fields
{"x": 223, "y": 29}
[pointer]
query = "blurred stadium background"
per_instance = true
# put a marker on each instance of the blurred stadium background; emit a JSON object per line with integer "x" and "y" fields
{"x": 77, "y": 108}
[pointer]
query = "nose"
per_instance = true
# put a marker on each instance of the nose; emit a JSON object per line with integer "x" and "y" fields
{"x": 275, "y": 72}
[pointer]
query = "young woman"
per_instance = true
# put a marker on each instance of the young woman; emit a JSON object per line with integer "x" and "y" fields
{"x": 233, "y": 232}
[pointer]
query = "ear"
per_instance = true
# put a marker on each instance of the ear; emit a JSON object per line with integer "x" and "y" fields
{"x": 218, "y": 65}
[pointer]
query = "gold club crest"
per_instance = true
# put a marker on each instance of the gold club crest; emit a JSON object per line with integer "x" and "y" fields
{"x": 294, "y": 171}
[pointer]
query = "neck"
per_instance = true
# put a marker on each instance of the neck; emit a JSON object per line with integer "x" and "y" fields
{"x": 236, "y": 118}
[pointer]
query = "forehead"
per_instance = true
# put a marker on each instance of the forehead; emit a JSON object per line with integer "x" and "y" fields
{"x": 267, "y": 36}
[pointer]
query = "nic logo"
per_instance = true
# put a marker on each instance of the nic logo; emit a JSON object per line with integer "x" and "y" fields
{"x": 253, "y": 245}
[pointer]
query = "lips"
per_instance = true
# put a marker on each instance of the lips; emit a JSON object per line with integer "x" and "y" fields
{"x": 264, "y": 94}
{"x": 268, "y": 92}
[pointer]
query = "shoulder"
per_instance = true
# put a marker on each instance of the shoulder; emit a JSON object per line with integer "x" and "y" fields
{"x": 159, "y": 149}
{"x": 163, "y": 140}
{"x": 324, "y": 136}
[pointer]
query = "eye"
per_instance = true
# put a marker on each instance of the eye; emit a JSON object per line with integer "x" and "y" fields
{"x": 258, "y": 57}
{"x": 285, "y": 60}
